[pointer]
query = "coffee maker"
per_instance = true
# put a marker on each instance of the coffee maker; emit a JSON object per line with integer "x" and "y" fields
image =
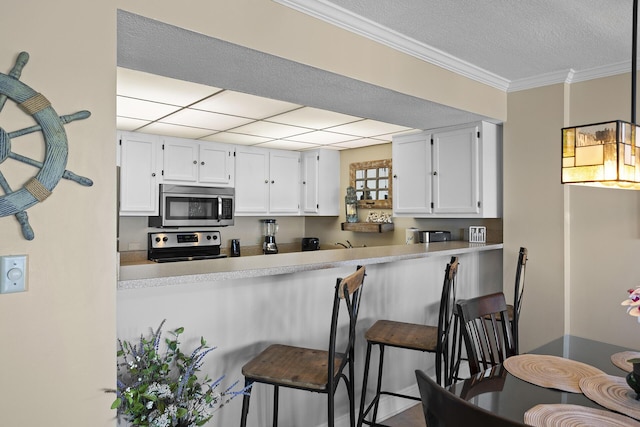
{"x": 269, "y": 229}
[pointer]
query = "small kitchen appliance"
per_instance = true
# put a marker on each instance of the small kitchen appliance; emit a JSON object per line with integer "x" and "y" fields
{"x": 269, "y": 229}
{"x": 184, "y": 246}
{"x": 428, "y": 236}
{"x": 310, "y": 244}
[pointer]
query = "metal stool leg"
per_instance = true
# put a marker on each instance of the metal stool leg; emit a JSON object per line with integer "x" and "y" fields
{"x": 365, "y": 378}
{"x": 276, "y": 393}
{"x": 245, "y": 405}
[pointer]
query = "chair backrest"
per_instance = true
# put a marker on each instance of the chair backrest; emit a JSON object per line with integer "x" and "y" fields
{"x": 348, "y": 291}
{"x": 487, "y": 339}
{"x": 445, "y": 409}
{"x": 446, "y": 346}
{"x": 521, "y": 268}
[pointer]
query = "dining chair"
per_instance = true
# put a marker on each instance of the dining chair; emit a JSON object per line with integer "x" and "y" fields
{"x": 488, "y": 340}
{"x": 312, "y": 369}
{"x": 411, "y": 336}
{"x": 514, "y": 310}
{"x": 445, "y": 409}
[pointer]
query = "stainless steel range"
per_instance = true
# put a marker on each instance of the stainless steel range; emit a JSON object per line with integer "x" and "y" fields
{"x": 184, "y": 246}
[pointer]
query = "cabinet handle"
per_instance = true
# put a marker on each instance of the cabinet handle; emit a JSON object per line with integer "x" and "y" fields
{"x": 304, "y": 182}
{"x": 272, "y": 181}
{"x": 153, "y": 174}
{"x": 435, "y": 173}
{"x": 395, "y": 176}
{"x": 195, "y": 162}
{"x": 266, "y": 181}
{"x": 202, "y": 163}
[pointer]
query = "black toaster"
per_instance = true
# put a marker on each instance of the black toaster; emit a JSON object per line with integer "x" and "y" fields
{"x": 310, "y": 243}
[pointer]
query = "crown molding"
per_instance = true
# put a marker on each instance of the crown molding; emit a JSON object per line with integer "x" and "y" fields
{"x": 342, "y": 18}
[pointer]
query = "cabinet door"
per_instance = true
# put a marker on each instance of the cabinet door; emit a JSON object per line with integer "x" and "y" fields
{"x": 138, "y": 174}
{"x": 180, "y": 163}
{"x": 455, "y": 171}
{"x": 252, "y": 181}
{"x": 310, "y": 178}
{"x": 284, "y": 182}
{"x": 216, "y": 164}
{"x": 412, "y": 174}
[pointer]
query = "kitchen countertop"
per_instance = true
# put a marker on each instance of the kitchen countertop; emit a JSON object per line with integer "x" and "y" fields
{"x": 150, "y": 274}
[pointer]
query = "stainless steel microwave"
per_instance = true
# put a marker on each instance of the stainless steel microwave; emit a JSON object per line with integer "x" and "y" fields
{"x": 189, "y": 206}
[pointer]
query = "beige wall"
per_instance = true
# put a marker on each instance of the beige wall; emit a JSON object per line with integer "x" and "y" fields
{"x": 533, "y": 206}
{"x": 58, "y": 337}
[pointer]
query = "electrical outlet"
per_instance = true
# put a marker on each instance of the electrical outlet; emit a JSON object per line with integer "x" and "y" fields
{"x": 13, "y": 274}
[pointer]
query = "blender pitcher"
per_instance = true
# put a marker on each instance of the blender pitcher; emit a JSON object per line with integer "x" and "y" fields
{"x": 269, "y": 229}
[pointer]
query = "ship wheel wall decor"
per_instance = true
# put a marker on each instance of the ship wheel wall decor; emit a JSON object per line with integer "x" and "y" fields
{"x": 52, "y": 169}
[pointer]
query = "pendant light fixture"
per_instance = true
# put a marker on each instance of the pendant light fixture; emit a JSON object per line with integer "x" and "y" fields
{"x": 605, "y": 154}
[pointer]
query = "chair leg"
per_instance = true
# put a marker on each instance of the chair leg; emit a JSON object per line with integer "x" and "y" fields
{"x": 350, "y": 383}
{"x": 276, "y": 393}
{"x": 378, "y": 387}
{"x": 245, "y": 405}
{"x": 365, "y": 377}
{"x": 330, "y": 404}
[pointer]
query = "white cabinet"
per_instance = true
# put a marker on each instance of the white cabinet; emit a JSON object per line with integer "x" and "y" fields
{"x": 267, "y": 181}
{"x": 192, "y": 162}
{"x": 140, "y": 160}
{"x": 321, "y": 183}
{"x": 451, "y": 172}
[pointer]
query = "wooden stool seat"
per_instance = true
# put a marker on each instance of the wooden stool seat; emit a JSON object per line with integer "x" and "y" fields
{"x": 403, "y": 335}
{"x": 295, "y": 367}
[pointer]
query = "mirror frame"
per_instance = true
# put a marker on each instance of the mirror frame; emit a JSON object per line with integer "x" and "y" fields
{"x": 373, "y": 164}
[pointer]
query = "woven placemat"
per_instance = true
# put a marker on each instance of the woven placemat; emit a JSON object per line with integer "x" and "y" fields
{"x": 550, "y": 371}
{"x": 620, "y": 359}
{"x": 565, "y": 415}
{"x": 613, "y": 393}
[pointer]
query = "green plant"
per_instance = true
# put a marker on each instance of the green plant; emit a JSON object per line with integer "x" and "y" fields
{"x": 162, "y": 389}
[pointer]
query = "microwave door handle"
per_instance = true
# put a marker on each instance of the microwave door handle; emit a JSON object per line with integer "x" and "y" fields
{"x": 219, "y": 208}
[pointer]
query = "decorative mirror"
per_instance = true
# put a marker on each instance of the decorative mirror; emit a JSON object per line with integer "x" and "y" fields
{"x": 372, "y": 181}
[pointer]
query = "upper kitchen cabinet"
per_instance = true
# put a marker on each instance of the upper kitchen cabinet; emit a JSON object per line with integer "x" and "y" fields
{"x": 202, "y": 163}
{"x": 267, "y": 182}
{"x": 321, "y": 183}
{"x": 451, "y": 172}
{"x": 140, "y": 164}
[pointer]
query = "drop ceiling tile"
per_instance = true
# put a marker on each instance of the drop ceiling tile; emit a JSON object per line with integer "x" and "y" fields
{"x": 283, "y": 144}
{"x": 167, "y": 129}
{"x": 236, "y": 138}
{"x": 129, "y": 124}
{"x": 362, "y": 142}
{"x": 321, "y": 137}
{"x": 368, "y": 128}
{"x": 313, "y": 118}
{"x": 270, "y": 130}
{"x": 205, "y": 120}
{"x": 242, "y": 104}
{"x": 152, "y": 87}
{"x": 143, "y": 110}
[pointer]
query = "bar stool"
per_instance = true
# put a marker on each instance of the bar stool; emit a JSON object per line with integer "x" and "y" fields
{"x": 310, "y": 369}
{"x": 410, "y": 336}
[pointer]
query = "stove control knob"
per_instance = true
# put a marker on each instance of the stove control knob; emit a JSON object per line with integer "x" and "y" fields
{"x": 158, "y": 239}
{"x": 165, "y": 239}
{"x": 215, "y": 237}
{"x": 208, "y": 237}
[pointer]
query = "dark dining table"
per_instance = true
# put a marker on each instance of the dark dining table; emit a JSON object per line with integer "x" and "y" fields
{"x": 498, "y": 391}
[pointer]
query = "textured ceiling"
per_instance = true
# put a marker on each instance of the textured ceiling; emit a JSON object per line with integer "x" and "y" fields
{"x": 512, "y": 39}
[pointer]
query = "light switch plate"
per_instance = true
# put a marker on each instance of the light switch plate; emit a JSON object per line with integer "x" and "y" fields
{"x": 13, "y": 274}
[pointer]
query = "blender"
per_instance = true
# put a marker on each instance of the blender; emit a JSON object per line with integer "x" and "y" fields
{"x": 269, "y": 229}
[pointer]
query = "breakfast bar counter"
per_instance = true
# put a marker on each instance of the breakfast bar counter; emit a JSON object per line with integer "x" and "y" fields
{"x": 151, "y": 274}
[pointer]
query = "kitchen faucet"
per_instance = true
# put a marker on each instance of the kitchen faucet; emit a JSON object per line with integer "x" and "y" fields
{"x": 345, "y": 246}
